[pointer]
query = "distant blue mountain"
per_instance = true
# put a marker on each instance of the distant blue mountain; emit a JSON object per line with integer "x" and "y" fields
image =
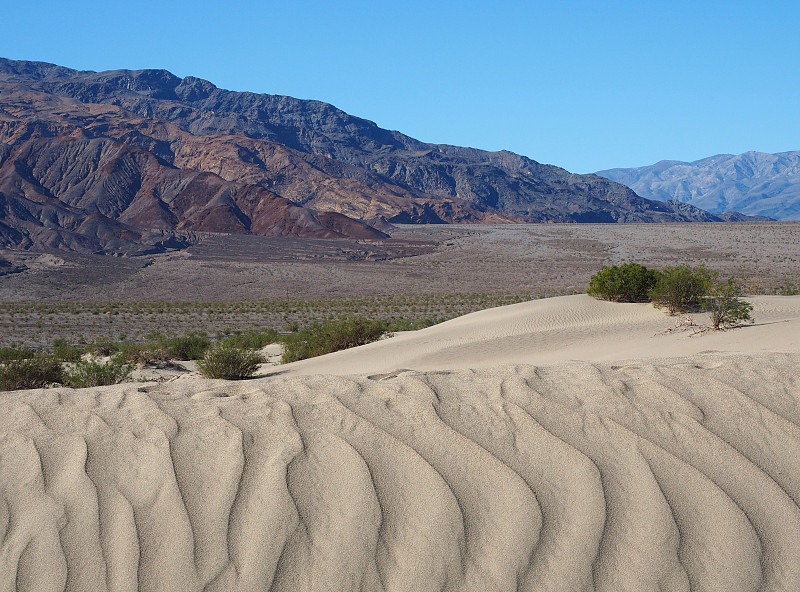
{"x": 754, "y": 183}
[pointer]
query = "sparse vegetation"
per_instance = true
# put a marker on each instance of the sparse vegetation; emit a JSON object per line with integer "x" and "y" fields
{"x": 8, "y": 354}
{"x": 37, "y": 371}
{"x": 629, "y": 282}
{"x": 787, "y": 290}
{"x": 726, "y": 307}
{"x": 252, "y": 339}
{"x": 86, "y": 373}
{"x": 141, "y": 354}
{"x": 228, "y": 361}
{"x": 103, "y": 346}
{"x": 323, "y": 338}
{"x": 678, "y": 289}
{"x": 682, "y": 288}
{"x": 66, "y": 352}
{"x": 192, "y": 346}
{"x": 141, "y": 322}
{"x": 406, "y": 325}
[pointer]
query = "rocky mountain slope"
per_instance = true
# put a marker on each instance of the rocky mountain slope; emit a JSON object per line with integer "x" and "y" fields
{"x": 754, "y": 183}
{"x": 83, "y": 177}
{"x": 98, "y": 161}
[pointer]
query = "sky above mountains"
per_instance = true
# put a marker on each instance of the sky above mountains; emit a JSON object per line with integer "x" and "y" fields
{"x": 582, "y": 85}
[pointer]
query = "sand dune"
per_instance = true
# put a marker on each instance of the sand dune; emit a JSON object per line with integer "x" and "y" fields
{"x": 614, "y": 475}
{"x": 565, "y": 328}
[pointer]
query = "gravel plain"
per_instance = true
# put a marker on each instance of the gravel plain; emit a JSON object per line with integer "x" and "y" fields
{"x": 237, "y": 282}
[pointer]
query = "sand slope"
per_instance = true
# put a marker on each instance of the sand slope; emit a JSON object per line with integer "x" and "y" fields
{"x": 662, "y": 474}
{"x": 565, "y": 328}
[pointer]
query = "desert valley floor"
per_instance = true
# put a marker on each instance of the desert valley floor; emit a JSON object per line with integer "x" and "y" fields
{"x": 535, "y": 259}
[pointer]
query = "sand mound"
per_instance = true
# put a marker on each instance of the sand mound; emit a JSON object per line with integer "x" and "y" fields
{"x": 670, "y": 474}
{"x": 565, "y": 328}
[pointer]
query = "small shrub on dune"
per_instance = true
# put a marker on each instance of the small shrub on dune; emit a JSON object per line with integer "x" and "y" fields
{"x": 629, "y": 282}
{"x": 86, "y": 373}
{"x": 35, "y": 372}
{"x": 229, "y": 362}
{"x": 323, "y": 338}
{"x": 725, "y": 306}
{"x": 682, "y": 288}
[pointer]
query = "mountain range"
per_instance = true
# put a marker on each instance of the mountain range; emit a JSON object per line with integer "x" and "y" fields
{"x": 754, "y": 183}
{"x": 134, "y": 161}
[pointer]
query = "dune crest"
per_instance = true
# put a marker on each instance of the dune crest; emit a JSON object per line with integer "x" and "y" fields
{"x": 675, "y": 474}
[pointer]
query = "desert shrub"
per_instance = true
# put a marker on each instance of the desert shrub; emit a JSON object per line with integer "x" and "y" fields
{"x": 725, "y": 306}
{"x": 229, "y": 362}
{"x": 192, "y": 346}
{"x": 323, "y": 338}
{"x": 66, "y": 352}
{"x": 8, "y": 354}
{"x": 394, "y": 325}
{"x": 86, "y": 373}
{"x": 682, "y": 288}
{"x": 141, "y": 353}
{"x": 103, "y": 346}
{"x": 34, "y": 372}
{"x": 629, "y": 282}
{"x": 253, "y": 339}
{"x": 787, "y": 290}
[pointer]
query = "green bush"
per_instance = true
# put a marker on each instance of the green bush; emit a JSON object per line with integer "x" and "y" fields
{"x": 66, "y": 352}
{"x": 394, "y": 325}
{"x": 86, "y": 373}
{"x": 141, "y": 353}
{"x": 229, "y": 362}
{"x": 682, "y": 288}
{"x": 8, "y": 354}
{"x": 35, "y": 372}
{"x": 189, "y": 347}
{"x": 253, "y": 339}
{"x": 323, "y": 338}
{"x": 103, "y": 346}
{"x": 725, "y": 306}
{"x": 629, "y": 282}
{"x": 787, "y": 290}
{"x": 161, "y": 348}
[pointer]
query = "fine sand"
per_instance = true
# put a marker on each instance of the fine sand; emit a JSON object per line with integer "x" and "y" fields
{"x": 562, "y": 329}
{"x": 558, "y": 445}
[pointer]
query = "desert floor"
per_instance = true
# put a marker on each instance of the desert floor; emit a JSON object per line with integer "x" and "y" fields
{"x": 241, "y": 282}
{"x": 537, "y": 259}
{"x": 564, "y": 444}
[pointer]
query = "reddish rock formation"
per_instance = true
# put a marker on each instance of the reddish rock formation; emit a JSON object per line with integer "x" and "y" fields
{"x": 157, "y": 155}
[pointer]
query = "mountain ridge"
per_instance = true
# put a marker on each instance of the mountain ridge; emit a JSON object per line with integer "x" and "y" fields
{"x": 319, "y": 159}
{"x": 754, "y": 183}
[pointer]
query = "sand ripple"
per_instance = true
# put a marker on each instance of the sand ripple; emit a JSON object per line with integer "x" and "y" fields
{"x": 667, "y": 475}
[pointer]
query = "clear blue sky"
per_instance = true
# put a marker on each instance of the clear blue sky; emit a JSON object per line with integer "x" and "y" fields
{"x": 583, "y": 85}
